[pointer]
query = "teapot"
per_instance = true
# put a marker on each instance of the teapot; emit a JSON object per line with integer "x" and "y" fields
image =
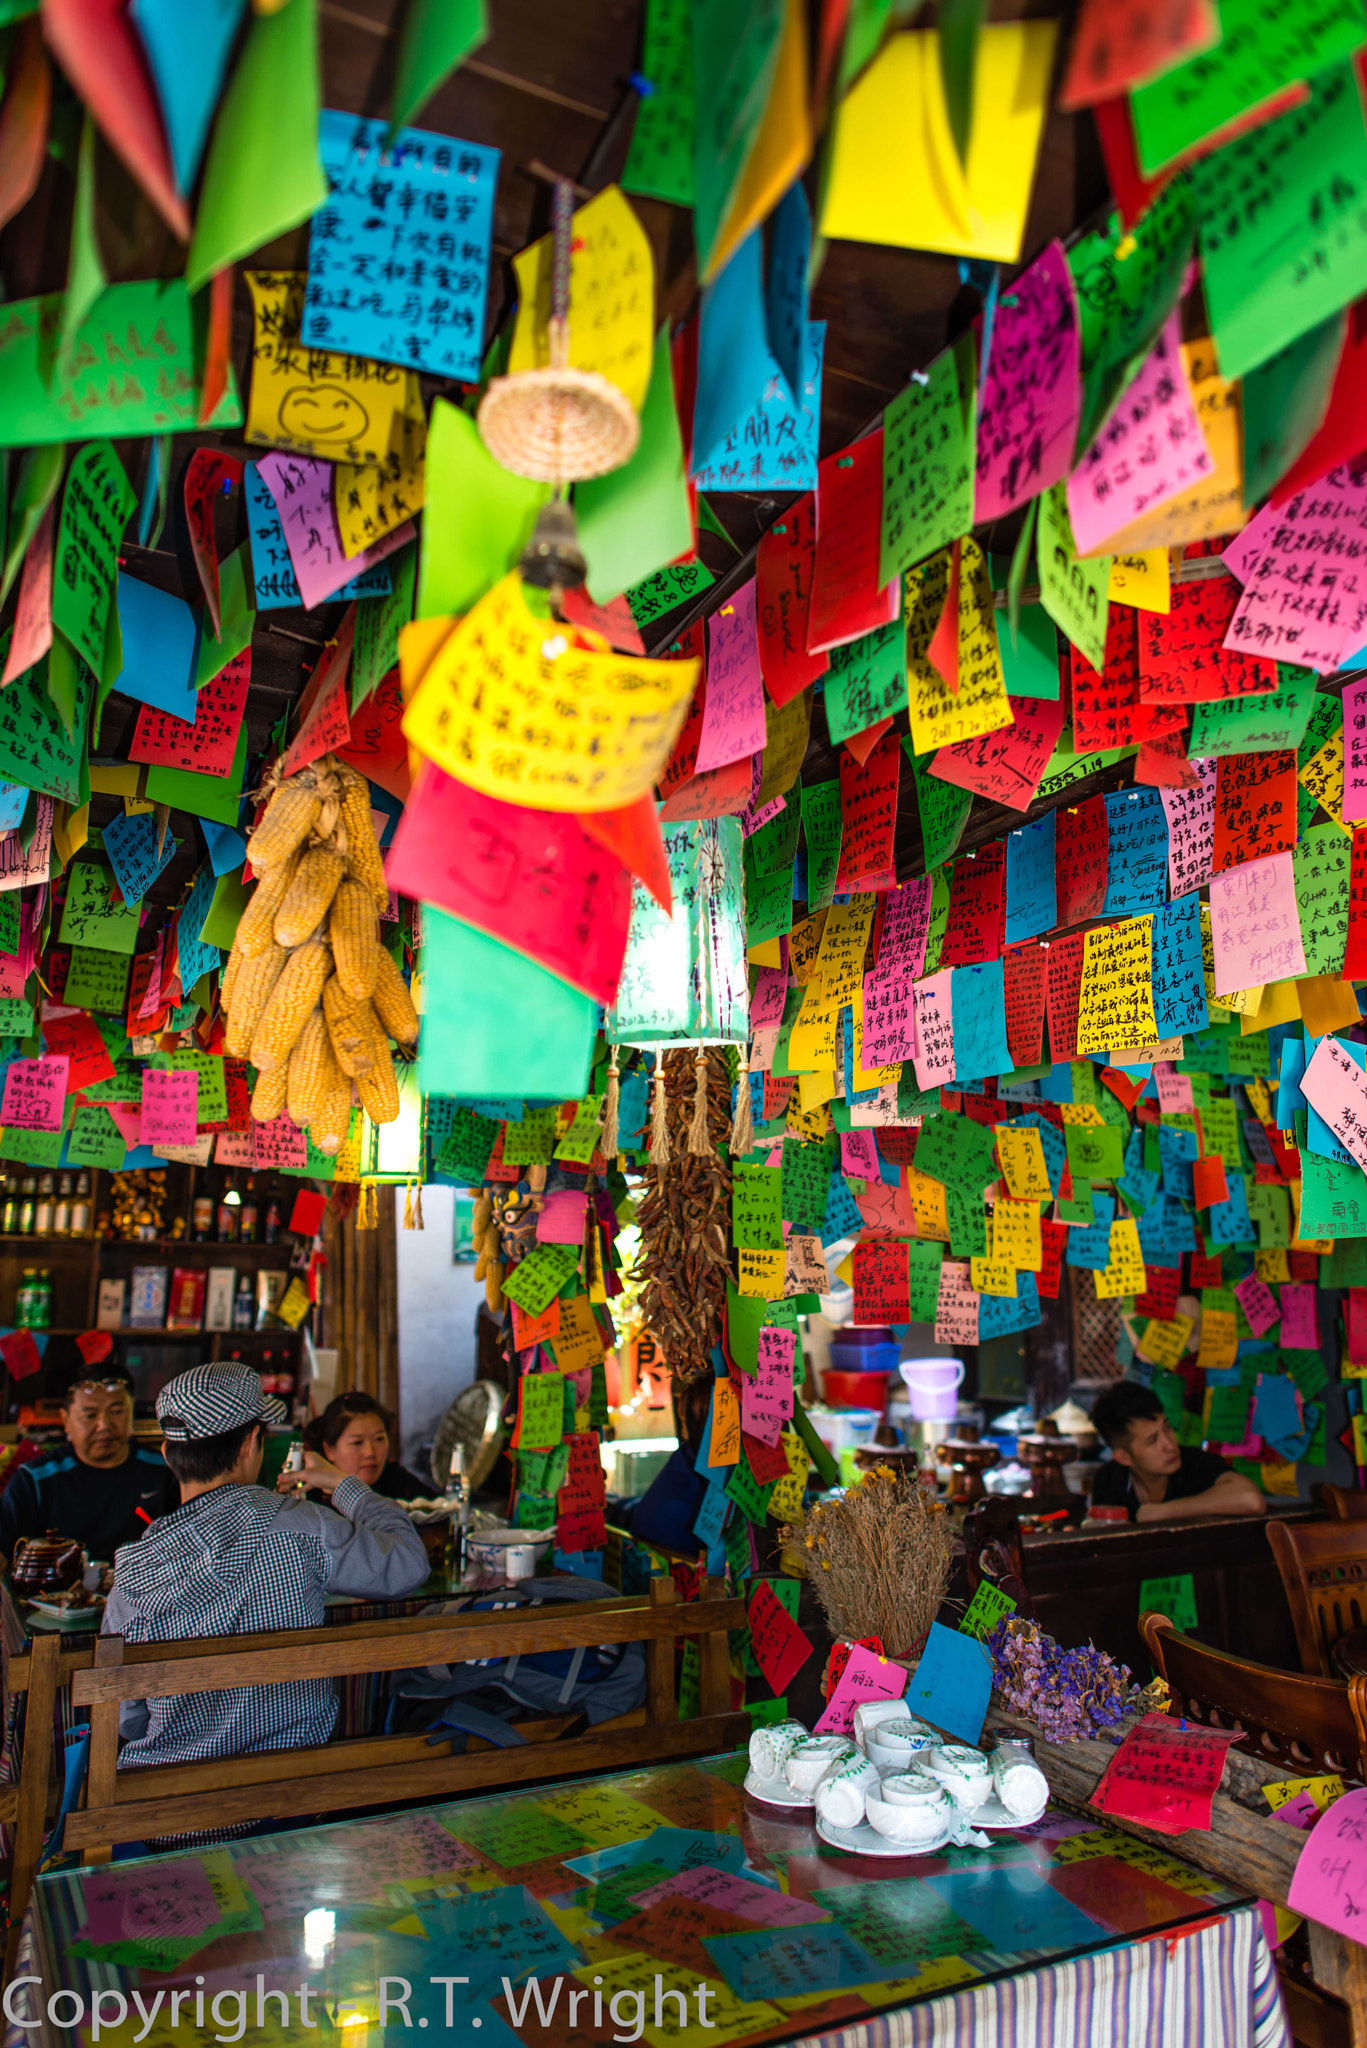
{"x": 46, "y": 1564}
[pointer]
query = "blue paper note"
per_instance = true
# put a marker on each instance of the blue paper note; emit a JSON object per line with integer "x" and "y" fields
{"x": 500, "y": 1933}
{"x": 1179, "y": 984}
{"x": 160, "y": 635}
{"x": 1137, "y": 1184}
{"x": 1176, "y": 1152}
{"x": 633, "y": 1108}
{"x": 151, "y": 489}
{"x": 1230, "y": 1222}
{"x": 979, "y": 1004}
{"x": 1031, "y": 898}
{"x": 788, "y": 1962}
{"x": 272, "y": 574}
{"x": 13, "y": 797}
{"x": 583, "y": 1564}
{"x": 710, "y": 1519}
{"x": 785, "y": 299}
{"x": 1090, "y": 1244}
{"x": 842, "y": 1212}
{"x": 1275, "y": 1410}
{"x": 187, "y": 50}
{"x": 399, "y": 255}
{"x": 775, "y": 445}
{"x": 952, "y": 1684}
{"x": 131, "y": 843}
{"x": 675, "y": 1848}
{"x": 195, "y": 958}
{"x": 1000, "y": 1315}
{"x": 1016, "y": 1910}
{"x": 734, "y": 363}
{"x": 227, "y": 849}
{"x": 1136, "y": 852}
{"x": 852, "y": 1094}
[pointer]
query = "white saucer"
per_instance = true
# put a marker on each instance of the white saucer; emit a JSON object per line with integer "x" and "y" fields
{"x": 866, "y": 1841}
{"x": 776, "y": 1792}
{"x": 994, "y": 1815}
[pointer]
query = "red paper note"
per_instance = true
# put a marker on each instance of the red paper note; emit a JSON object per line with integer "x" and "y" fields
{"x": 847, "y": 598}
{"x": 95, "y": 1346}
{"x": 1208, "y": 1181}
{"x": 207, "y": 746}
{"x": 98, "y": 47}
{"x": 1025, "y": 973}
{"x": 780, "y": 1647}
{"x": 973, "y": 931}
{"x": 80, "y": 1038}
{"x": 1182, "y": 655}
{"x": 307, "y": 1213}
{"x": 1006, "y": 766}
{"x": 881, "y": 1282}
{"x": 20, "y": 1354}
{"x": 633, "y": 837}
{"x": 206, "y": 473}
{"x": 1106, "y": 708}
{"x": 1122, "y": 43}
{"x": 1255, "y": 807}
{"x": 1064, "y": 988}
{"x": 1081, "y": 841}
{"x": 868, "y": 811}
{"x": 326, "y": 717}
{"x": 1053, "y": 1244}
{"x": 32, "y": 635}
{"x": 784, "y": 562}
{"x": 1165, "y": 1774}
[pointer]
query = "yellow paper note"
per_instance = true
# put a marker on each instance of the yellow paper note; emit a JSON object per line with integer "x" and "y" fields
{"x": 760, "y": 1273}
{"x": 1324, "y": 1791}
{"x": 867, "y": 1077}
{"x": 1279, "y": 1478}
{"x": 768, "y": 953}
{"x": 1219, "y": 1340}
{"x": 804, "y": 944}
{"x": 991, "y": 1276}
{"x": 1115, "y": 1001}
{"x": 1124, "y": 1272}
{"x": 1142, "y": 581}
{"x": 612, "y": 297}
{"x": 807, "y": 1123}
{"x": 840, "y": 958}
{"x": 725, "y": 1446}
{"x": 370, "y": 500}
{"x": 940, "y": 716}
{"x": 1022, "y": 1162}
{"x": 1272, "y": 1266}
{"x": 1259, "y": 1100}
{"x": 1322, "y": 775}
{"x": 1084, "y": 1113}
{"x": 814, "y": 1089}
{"x": 314, "y": 401}
{"x": 785, "y": 1502}
{"x": 1016, "y": 1233}
{"x": 1164, "y": 1343}
{"x": 507, "y": 706}
{"x": 781, "y": 148}
{"x": 929, "y": 1205}
{"x": 815, "y": 1037}
{"x": 894, "y": 176}
{"x": 1216, "y": 504}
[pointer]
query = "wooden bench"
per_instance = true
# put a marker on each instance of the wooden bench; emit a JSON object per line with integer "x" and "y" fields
{"x": 169, "y": 1799}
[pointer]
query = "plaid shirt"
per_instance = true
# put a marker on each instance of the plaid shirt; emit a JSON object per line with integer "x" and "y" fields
{"x": 234, "y": 1561}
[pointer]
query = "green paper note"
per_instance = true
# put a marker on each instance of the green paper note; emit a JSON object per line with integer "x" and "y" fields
{"x": 985, "y": 1610}
{"x": 96, "y": 507}
{"x": 954, "y": 1150}
{"x": 943, "y": 808}
{"x": 436, "y": 36}
{"x": 927, "y": 464}
{"x": 540, "y": 1404}
{"x": 768, "y": 903}
{"x": 477, "y": 516}
{"x": 1333, "y": 1198}
{"x": 821, "y": 828}
{"x": 496, "y": 1023}
{"x": 88, "y": 920}
{"x": 1255, "y": 725}
{"x": 735, "y": 54}
{"x": 535, "y": 1281}
{"x": 667, "y": 589}
{"x": 379, "y": 621}
{"x": 95, "y": 1140}
{"x": 1123, "y": 301}
{"x": 1030, "y": 668}
{"x": 1283, "y": 226}
{"x": 1175, "y": 1597}
{"x": 744, "y": 1321}
{"x": 1284, "y": 402}
{"x": 637, "y": 519}
{"x": 530, "y": 1139}
{"x": 465, "y": 1149}
{"x": 35, "y": 748}
{"x": 213, "y": 1089}
{"x": 236, "y": 617}
{"x": 867, "y": 681}
{"x": 34, "y": 489}
{"x": 97, "y": 980}
{"x": 85, "y": 277}
{"x": 1321, "y": 861}
{"x": 939, "y": 917}
{"x": 32, "y": 1148}
{"x": 757, "y": 1208}
{"x": 263, "y": 174}
{"x": 204, "y": 796}
{"x": 924, "y": 1261}
{"x": 1075, "y": 593}
{"x": 749, "y": 1496}
{"x": 660, "y": 160}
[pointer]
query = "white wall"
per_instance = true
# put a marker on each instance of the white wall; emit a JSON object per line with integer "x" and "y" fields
{"x": 438, "y": 1301}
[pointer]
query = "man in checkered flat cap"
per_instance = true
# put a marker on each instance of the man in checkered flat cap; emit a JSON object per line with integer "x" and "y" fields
{"x": 233, "y": 1559}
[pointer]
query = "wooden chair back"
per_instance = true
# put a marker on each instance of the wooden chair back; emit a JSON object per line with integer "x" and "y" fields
{"x": 172, "y": 1799}
{"x": 994, "y": 1549}
{"x": 1307, "y": 1725}
{"x": 1324, "y": 1570}
{"x": 1344, "y": 1503}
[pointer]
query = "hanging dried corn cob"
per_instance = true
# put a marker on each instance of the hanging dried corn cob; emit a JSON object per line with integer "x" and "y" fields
{"x": 309, "y": 992}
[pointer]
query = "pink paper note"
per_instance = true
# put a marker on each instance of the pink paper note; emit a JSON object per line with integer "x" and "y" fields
{"x": 1028, "y": 404}
{"x": 1334, "y": 1084}
{"x": 32, "y": 634}
{"x": 733, "y": 715}
{"x": 128, "y": 1117}
{"x": 771, "y": 991}
{"x": 956, "y": 1308}
{"x": 1174, "y": 1089}
{"x": 732, "y": 1894}
{"x": 174, "y": 1900}
{"x": 1355, "y": 750}
{"x": 866, "y": 1678}
{"x": 532, "y": 879}
{"x": 889, "y": 1016}
{"x": 766, "y": 1400}
{"x": 1255, "y": 925}
{"x": 934, "y": 1055}
{"x": 279, "y": 1143}
{"x": 1258, "y": 1303}
{"x": 1005, "y": 766}
{"x": 20, "y": 866}
{"x": 1299, "y": 1812}
{"x": 886, "y": 1209}
{"x": 12, "y": 976}
{"x": 1305, "y": 589}
{"x": 562, "y": 1218}
{"x": 170, "y": 1106}
{"x": 1330, "y": 1880}
{"x": 859, "y": 1154}
{"x": 1151, "y": 449}
{"x": 35, "y": 1094}
{"x": 1300, "y": 1318}
{"x": 302, "y": 490}
{"x": 1191, "y": 830}
{"x": 234, "y": 1148}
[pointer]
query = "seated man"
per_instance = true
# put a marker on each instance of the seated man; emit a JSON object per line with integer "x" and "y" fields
{"x": 234, "y": 1559}
{"x": 1155, "y": 1477}
{"x": 99, "y": 1490}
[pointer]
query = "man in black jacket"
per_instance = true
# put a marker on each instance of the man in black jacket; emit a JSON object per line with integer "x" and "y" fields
{"x": 100, "y": 1490}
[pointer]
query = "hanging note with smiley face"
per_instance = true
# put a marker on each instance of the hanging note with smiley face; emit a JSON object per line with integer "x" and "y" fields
{"x": 314, "y": 401}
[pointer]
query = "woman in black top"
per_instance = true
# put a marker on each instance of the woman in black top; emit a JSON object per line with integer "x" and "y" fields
{"x": 355, "y": 1434}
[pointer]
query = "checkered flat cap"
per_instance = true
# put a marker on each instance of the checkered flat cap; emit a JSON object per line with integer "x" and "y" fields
{"x": 209, "y": 1400}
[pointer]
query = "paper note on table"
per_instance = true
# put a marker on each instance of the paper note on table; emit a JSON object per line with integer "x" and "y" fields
{"x": 303, "y": 494}
{"x": 1029, "y": 396}
{"x": 1336, "y": 1088}
{"x": 895, "y": 176}
{"x": 393, "y": 201}
{"x": 1165, "y": 1774}
{"x": 600, "y": 758}
{"x": 952, "y": 1684}
{"x": 1329, "y": 1884}
{"x": 35, "y": 1094}
{"x": 866, "y": 1677}
{"x": 1152, "y": 449}
{"x": 1255, "y": 928}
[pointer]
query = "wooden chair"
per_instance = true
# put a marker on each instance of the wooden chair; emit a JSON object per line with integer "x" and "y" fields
{"x": 171, "y": 1799}
{"x": 994, "y": 1549}
{"x": 1343, "y": 1503}
{"x": 1324, "y": 1570}
{"x": 1307, "y": 1725}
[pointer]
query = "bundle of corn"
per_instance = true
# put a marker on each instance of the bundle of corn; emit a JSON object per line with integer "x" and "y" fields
{"x": 311, "y": 996}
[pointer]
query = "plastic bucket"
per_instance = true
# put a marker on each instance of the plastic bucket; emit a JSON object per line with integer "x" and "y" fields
{"x": 933, "y": 1386}
{"x": 865, "y": 1358}
{"x": 854, "y": 1389}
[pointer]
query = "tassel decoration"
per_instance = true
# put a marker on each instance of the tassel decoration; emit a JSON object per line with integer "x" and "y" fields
{"x": 408, "y": 1205}
{"x": 418, "y": 1223}
{"x": 659, "y": 1130}
{"x": 742, "y": 1122}
{"x": 607, "y": 1141}
{"x": 698, "y": 1146}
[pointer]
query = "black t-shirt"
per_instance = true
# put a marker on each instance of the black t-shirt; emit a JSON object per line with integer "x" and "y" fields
{"x": 1113, "y": 1485}
{"x": 99, "y": 1506}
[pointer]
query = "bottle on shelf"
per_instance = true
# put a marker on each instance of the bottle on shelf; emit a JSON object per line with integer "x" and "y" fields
{"x": 42, "y": 1300}
{"x": 244, "y": 1304}
{"x": 202, "y": 1219}
{"x": 266, "y": 1369}
{"x": 227, "y": 1218}
{"x": 43, "y": 1209}
{"x": 9, "y": 1217}
{"x": 80, "y": 1208}
{"x": 250, "y": 1212}
{"x": 26, "y": 1205}
{"x": 23, "y": 1300}
{"x": 61, "y": 1219}
{"x": 273, "y": 1222}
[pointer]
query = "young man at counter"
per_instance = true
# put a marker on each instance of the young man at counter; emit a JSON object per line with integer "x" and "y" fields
{"x": 234, "y": 1559}
{"x": 101, "y": 1491}
{"x": 1155, "y": 1477}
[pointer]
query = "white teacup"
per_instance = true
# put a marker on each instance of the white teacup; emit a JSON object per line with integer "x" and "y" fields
{"x": 771, "y": 1747}
{"x": 964, "y": 1773}
{"x": 808, "y": 1762}
{"x": 910, "y": 1808}
{"x": 897, "y": 1740}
